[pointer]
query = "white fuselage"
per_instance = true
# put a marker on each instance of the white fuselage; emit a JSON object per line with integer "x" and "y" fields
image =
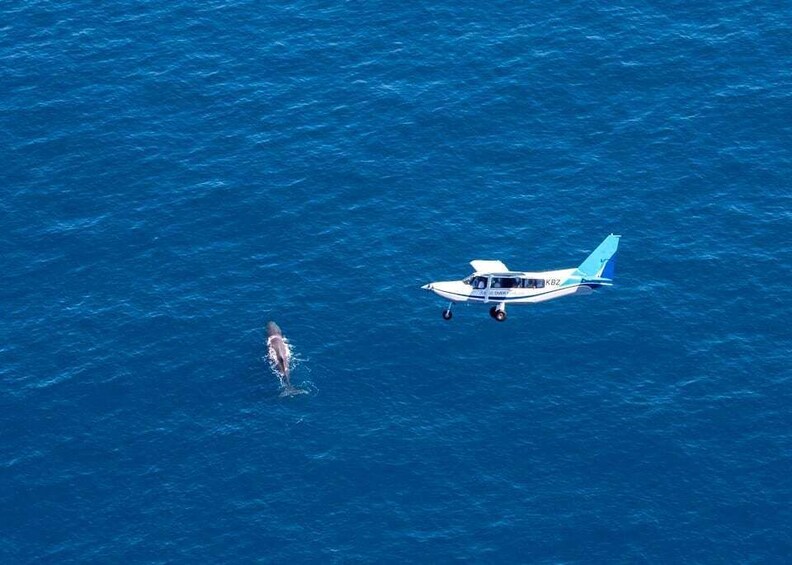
{"x": 512, "y": 287}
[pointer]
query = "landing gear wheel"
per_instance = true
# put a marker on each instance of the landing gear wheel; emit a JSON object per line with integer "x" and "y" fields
{"x": 500, "y": 315}
{"x": 492, "y": 312}
{"x": 447, "y": 314}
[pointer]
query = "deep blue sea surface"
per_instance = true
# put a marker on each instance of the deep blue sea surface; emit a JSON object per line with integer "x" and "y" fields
{"x": 175, "y": 174}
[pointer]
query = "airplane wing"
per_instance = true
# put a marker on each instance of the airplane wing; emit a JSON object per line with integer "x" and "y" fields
{"x": 482, "y": 266}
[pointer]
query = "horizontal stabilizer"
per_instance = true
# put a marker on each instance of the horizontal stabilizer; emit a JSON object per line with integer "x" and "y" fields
{"x": 483, "y": 266}
{"x": 599, "y": 280}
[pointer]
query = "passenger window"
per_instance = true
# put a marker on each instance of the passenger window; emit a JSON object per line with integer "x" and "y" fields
{"x": 540, "y": 283}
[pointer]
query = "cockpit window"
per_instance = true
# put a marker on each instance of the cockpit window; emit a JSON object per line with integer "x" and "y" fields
{"x": 479, "y": 282}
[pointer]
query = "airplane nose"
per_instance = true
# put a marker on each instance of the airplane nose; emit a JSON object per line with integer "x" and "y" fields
{"x": 427, "y": 286}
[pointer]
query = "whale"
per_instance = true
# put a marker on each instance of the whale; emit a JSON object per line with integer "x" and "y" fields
{"x": 280, "y": 357}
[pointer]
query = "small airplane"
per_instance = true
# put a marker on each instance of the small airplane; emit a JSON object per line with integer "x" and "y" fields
{"x": 493, "y": 282}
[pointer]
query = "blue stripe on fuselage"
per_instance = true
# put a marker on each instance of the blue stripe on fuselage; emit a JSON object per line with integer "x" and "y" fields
{"x": 508, "y": 299}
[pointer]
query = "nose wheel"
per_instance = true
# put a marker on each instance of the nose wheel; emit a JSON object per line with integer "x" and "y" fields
{"x": 447, "y": 315}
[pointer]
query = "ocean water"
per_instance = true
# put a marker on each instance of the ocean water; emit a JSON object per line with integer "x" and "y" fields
{"x": 176, "y": 174}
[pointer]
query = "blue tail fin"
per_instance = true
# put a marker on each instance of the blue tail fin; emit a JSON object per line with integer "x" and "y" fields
{"x": 601, "y": 264}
